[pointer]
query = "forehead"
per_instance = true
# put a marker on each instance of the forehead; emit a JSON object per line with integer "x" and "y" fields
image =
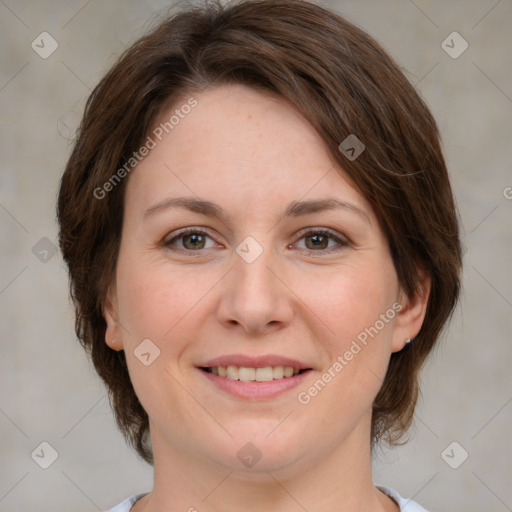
{"x": 238, "y": 144}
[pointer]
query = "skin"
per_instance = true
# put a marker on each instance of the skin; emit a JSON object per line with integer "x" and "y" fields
{"x": 253, "y": 154}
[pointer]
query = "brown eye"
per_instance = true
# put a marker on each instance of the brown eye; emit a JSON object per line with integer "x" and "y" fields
{"x": 194, "y": 241}
{"x": 321, "y": 241}
{"x": 317, "y": 242}
{"x": 191, "y": 240}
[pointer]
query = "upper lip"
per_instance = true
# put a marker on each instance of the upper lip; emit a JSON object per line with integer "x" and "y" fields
{"x": 255, "y": 361}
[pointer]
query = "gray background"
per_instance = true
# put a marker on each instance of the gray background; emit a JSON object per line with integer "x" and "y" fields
{"x": 49, "y": 392}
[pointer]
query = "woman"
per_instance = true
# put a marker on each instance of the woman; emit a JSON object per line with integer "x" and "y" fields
{"x": 263, "y": 249}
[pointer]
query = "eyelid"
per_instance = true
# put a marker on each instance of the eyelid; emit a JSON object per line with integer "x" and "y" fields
{"x": 324, "y": 231}
{"x": 185, "y": 231}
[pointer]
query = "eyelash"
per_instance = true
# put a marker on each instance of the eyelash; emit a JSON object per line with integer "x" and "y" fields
{"x": 303, "y": 234}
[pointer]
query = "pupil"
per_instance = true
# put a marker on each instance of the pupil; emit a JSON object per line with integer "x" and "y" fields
{"x": 319, "y": 241}
{"x": 195, "y": 241}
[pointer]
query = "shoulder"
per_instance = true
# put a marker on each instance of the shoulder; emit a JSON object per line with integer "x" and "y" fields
{"x": 127, "y": 504}
{"x": 406, "y": 505}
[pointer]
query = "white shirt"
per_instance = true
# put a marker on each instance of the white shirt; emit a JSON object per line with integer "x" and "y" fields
{"x": 404, "y": 504}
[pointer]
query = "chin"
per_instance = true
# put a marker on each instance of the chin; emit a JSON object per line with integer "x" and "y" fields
{"x": 257, "y": 448}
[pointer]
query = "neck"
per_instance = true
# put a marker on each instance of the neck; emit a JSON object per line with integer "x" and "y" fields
{"x": 338, "y": 480}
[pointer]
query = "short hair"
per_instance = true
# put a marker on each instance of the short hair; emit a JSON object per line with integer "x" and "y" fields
{"x": 343, "y": 83}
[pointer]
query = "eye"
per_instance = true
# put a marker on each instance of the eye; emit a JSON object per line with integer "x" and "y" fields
{"x": 321, "y": 240}
{"x": 312, "y": 240}
{"x": 190, "y": 239}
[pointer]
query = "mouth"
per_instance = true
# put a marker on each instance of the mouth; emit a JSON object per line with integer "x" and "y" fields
{"x": 253, "y": 374}
{"x": 254, "y": 378}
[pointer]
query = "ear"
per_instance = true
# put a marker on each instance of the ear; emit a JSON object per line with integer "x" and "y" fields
{"x": 410, "y": 317}
{"x": 113, "y": 336}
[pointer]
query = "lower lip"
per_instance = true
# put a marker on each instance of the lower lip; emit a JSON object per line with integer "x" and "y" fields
{"x": 256, "y": 390}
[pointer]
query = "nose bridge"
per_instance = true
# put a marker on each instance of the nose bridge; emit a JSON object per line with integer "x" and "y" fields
{"x": 254, "y": 275}
{"x": 255, "y": 298}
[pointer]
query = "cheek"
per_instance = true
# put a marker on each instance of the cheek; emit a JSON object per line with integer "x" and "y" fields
{"x": 154, "y": 304}
{"x": 351, "y": 299}
{"x": 154, "y": 298}
{"x": 356, "y": 306}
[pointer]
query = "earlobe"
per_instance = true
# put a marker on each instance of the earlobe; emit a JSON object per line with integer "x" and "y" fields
{"x": 412, "y": 314}
{"x": 112, "y": 331}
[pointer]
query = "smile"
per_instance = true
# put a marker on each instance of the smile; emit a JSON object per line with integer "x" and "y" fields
{"x": 249, "y": 374}
{"x": 254, "y": 378}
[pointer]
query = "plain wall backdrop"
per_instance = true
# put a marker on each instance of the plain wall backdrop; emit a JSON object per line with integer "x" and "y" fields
{"x": 48, "y": 389}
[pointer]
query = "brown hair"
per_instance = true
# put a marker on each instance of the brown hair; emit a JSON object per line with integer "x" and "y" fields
{"x": 343, "y": 83}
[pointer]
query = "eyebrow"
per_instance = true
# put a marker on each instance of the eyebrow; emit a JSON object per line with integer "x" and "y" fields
{"x": 294, "y": 209}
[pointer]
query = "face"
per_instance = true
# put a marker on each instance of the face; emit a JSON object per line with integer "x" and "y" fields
{"x": 246, "y": 252}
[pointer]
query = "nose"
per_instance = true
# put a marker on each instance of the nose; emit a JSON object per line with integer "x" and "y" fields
{"x": 255, "y": 297}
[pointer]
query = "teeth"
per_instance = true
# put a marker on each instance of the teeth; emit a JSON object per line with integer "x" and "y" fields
{"x": 278, "y": 372}
{"x": 264, "y": 374}
{"x": 288, "y": 371}
{"x": 246, "y": 374}
{"x": 232, "y": 372}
